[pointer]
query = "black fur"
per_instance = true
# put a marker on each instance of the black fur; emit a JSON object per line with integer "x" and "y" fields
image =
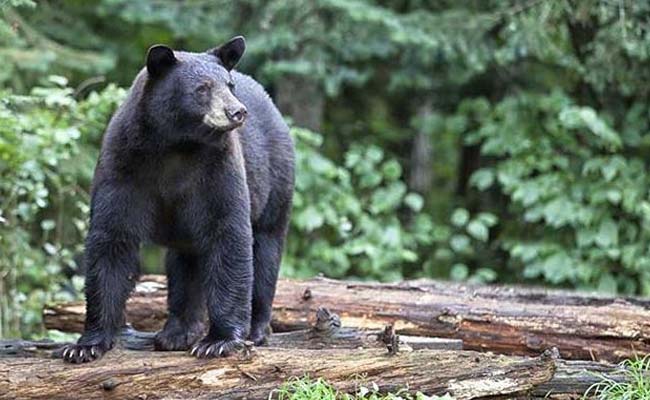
{"x": 216, "y": 193}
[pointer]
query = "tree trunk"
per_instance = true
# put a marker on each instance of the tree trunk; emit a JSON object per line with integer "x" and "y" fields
{"x": 302, "y": 100}
{"x": 508, "y": 320}
{"x": 421, "y": 165}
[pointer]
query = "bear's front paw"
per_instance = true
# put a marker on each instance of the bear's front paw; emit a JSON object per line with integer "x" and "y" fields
{"x": 178, "y": 338}
{"x": 208, "y": 348}
{"x": 90, "y": 347}
{"x": 80, "y": 353}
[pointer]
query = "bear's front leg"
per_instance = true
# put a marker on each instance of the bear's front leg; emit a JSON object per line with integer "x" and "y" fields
{"x": 228, "y": 280}
{"x": 112, "y": 268}
{"x": 112, "y": 272}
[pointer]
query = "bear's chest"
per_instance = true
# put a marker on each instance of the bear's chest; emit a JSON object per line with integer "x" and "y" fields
{"x": 177, "y": 187}
{"x": 179, "y": 176}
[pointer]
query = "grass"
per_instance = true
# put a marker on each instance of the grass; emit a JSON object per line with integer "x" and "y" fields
{"x": 634, "y": 386}
{"x": 306, "y": 388}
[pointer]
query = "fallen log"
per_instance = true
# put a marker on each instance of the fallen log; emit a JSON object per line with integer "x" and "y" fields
{"x": 28, "y": 370}
{"x": 573, "y": 378}
{"x": 507, "y": 320}
{"x": 152, "y": 375}
{"x": 326, "y": 333}
{"x": 485, "y": 375}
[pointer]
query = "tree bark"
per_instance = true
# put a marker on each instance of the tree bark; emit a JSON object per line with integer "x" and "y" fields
{"x": 507, "y": 320}
{"x": 301, "y": 99}
{"x": 421, "y": 174}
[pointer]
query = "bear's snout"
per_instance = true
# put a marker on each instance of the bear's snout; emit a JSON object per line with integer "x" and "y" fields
{"x": 237, "y": 115}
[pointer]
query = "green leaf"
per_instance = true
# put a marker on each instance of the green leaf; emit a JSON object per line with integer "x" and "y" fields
{"x": 609, "y": 171}
{"x": 309, "y": 219}
{"x": 614, "y": 196}
{"x": 607, "y": 235}
{"x": 483, "y": 275}
{"x": 478, "y": 231}
{"x": 487, "y": 219}
{"x": 459, "y": 243}
{"x": 459, "y": 272}
{"x": 47, "y": 224}
{"x": 392, "y": 170}
{"x": 482, "y": 178}
{"x": 557, "y": 267}
{"x": 58, "y": 80}
{"x": 607, "y": 284}
{"x": 459, "y": 217}
{"x": 414, "y": 201}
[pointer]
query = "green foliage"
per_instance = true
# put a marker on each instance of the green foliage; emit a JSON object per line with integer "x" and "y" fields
{"x": 634, "y": 385}
{"x": 359, "y": 220}
{"x": 535, "y": 114}
{"x": 454, "y": 245}
{"x": 307, "y": 388}
{"x": 578, "y": 194}
{"x": 346, "y": 218}
{"x": 48, "y": 148}
{"x": 28, "y": 53}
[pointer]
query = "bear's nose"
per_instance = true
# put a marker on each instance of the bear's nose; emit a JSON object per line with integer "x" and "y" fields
{"x": 237, "y": 115}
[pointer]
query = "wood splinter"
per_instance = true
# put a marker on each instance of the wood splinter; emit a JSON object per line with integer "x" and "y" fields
{"x": 390, "y": 339}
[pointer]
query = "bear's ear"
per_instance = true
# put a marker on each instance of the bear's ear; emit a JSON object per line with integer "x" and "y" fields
{"x": 159, "y": 59}
{"x": 230, "y": 52}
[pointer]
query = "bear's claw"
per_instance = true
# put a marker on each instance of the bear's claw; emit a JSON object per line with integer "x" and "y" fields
{"x": 78, "y": 353}
{"x": 219, "y": 348}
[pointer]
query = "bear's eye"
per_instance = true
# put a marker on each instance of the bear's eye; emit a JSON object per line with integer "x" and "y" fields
{"x": 231, "y": 85}
{"x": 203, "y": 89}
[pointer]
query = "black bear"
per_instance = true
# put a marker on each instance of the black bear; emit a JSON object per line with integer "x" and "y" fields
{"x": 199, "y": 160}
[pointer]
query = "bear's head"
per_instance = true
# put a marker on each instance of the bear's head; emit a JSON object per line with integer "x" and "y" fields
{"x": 191, "y": 96}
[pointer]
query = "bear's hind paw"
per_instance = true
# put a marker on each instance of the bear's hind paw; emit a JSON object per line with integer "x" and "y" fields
{"x": 177, "y": 339}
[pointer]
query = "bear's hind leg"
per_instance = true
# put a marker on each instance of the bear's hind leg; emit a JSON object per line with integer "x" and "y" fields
{"x": 185, "y": 302}
{"x": 267, "y": 252}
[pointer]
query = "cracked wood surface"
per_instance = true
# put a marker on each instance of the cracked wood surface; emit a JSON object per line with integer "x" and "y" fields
{"x": 507, "y": 320}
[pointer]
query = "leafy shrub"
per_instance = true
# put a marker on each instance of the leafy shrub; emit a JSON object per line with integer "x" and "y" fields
{"x": 48, "y": 147}
{"x": 577, "y": 189}
{"x": 359, "y": 220}
{"x": 346, "y": 219}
